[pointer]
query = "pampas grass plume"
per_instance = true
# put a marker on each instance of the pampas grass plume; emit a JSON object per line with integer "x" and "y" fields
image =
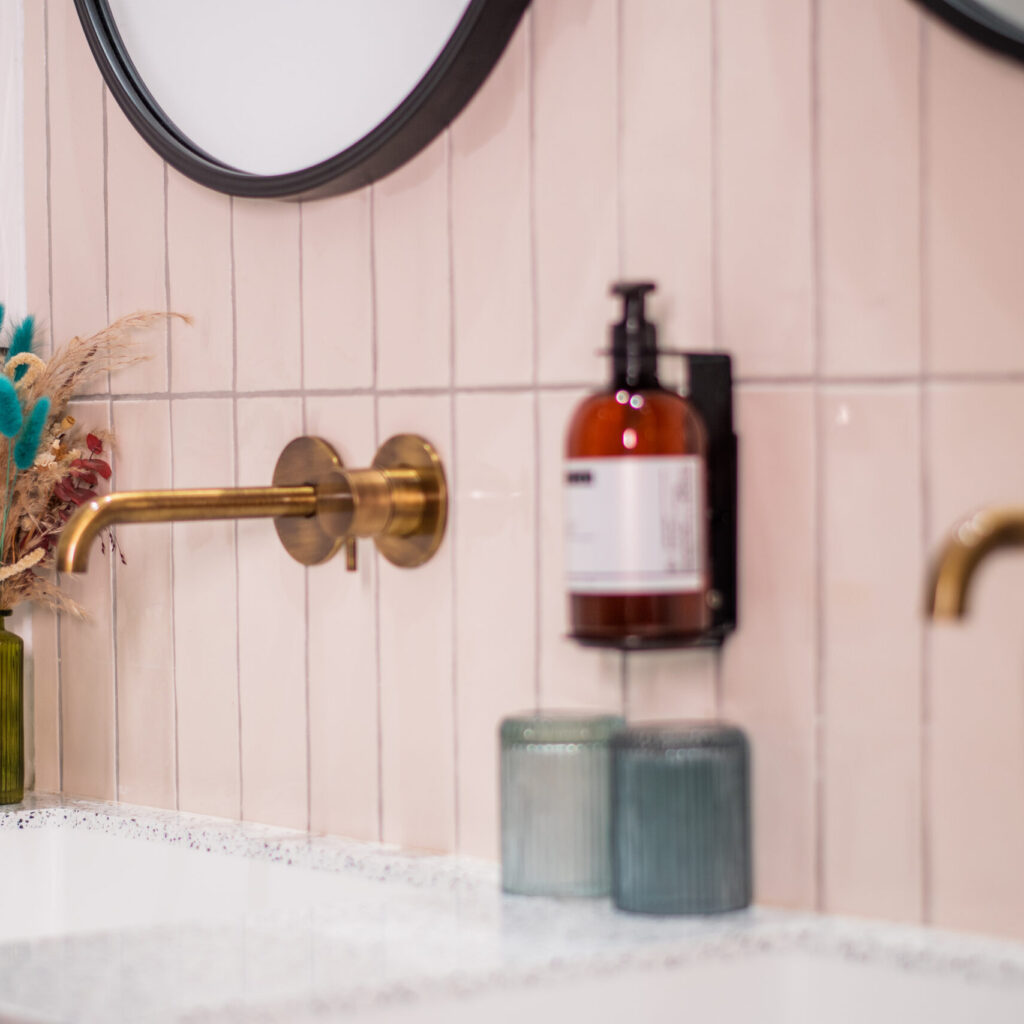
{"x": 28, "y": 443}
{"x": 10, "y": 408}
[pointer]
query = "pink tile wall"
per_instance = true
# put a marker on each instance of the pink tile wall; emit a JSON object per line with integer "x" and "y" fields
{"x": 810, "y": 183}
{"x": 764, "y": 201}
{"x": 147, "y": 758}
{"x": 870, "y": 671}
{"x": 342, "y": 674}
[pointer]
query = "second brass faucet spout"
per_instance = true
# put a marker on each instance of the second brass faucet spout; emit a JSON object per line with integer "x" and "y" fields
{"x": 967, "y": 545}
{"x": 175, "y": 506}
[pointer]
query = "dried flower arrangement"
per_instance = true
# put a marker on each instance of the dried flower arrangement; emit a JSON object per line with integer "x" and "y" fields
{"x": 47, "y": 468}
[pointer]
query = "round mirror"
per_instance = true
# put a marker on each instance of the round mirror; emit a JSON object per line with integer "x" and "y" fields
{"x": 996, "y": 23}
{"x": 294, "y": 98}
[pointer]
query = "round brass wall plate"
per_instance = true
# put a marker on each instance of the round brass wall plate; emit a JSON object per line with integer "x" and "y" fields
{"x": 410, "y": 451}
{"x": 312, "y": 461}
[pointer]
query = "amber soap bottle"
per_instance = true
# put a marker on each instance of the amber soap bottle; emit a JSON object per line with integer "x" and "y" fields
{"x": 635, "y": 489}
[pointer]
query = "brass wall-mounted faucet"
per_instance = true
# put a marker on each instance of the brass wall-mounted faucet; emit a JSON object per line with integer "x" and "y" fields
{"x": 968, "y": 543}
{"x": 317, "y": 505}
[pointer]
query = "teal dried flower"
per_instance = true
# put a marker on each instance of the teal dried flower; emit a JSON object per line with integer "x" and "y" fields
{"x": 10, "y": 408}
{"x": 21, "y": 341}
{"x": 27, "y": 445}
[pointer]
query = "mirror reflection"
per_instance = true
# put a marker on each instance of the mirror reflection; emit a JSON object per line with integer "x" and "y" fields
{"x": 307, "y": 79}
{"x": 1011, "y": 10}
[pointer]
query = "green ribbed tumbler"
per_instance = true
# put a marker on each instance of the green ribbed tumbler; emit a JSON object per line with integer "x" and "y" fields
{"x": 12, "y": 715}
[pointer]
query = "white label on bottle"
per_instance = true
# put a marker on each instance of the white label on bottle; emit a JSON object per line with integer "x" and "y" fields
{"x": 635, "y": 524}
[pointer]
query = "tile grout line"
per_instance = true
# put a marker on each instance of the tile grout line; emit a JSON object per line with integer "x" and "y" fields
{"x": 235, "y": 457}
{"x": 305, "y": 568}
{"x": 924, "y": 420}
{"x": 49, "y": 259}
{"x": 453, "y": 505}
{"x": 620, "y": 115}
{"x": 538, "y": 625}
{"x": 170, "y": 428}
{"x": 820, "y": 465}
{"x": 620, "y": 243}
{"x": 115, "y": 678}
{"x": 375, "y": 555}
{"x": 740, "y": 383}
{"x": 49, "y": 162}
{"x": 716, "y": 282}
{"x": 169, "y": 352}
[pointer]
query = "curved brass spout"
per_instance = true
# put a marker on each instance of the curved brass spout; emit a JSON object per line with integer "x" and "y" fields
{"x": 968, "y": 543}
{"x": 94, "y": 517}
{"x": 318, "y": 505}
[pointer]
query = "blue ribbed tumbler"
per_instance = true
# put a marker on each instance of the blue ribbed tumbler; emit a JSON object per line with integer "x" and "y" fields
{"x": 681, "y": 818}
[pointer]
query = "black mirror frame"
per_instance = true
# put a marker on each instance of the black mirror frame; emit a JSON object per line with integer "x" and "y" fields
{"x": 977, "y": 21}
{"x": 460, "y": 69}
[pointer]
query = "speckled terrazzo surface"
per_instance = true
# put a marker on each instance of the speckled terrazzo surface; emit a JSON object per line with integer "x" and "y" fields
{"x": 410, "y": 929}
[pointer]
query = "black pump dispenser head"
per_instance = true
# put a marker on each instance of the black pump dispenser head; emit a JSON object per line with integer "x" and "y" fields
{"x": 634, "y": 338}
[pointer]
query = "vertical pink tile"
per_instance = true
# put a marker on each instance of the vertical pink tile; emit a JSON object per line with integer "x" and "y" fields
{"x": 763, "y": 107}
{"x": 976, "y": 700}
{"x": 416, "y": 664}
{"x": 337, "y": 292}
{"x": 666, "y": 164}
{"x": 413, "y": 282}
{"x": 268, "y": 320}
{"x": 974, "y": 159}
{"x": 344, "y": 756}
{"x": 576, "y": 182}
{"x": 768, "y": 665}
{"x": 671, "y": 684}
{"x": 88, "y": 698}
{"x": 271, "y": 632}
{"x": 76, "y": 180}
{"x": 491, "y": 210}
{"x": 136, "y": 245}
{"x": 205, "y": 616}
{"x": 495, "y": 596}
{"x": 872, "y": 573}
{"x": 199, "y": 269}
{"x": 571, "y": 676}
{"x": 45, "y": 723}
{"x": 869, "y": 133}
{"x": 144, "y": 619}
{"x": 36, "y": 156}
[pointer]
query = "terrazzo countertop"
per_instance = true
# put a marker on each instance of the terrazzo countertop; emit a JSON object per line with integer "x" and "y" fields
{"x": 414, "y": 928}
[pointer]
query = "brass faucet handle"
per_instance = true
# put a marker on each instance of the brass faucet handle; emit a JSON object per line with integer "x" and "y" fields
{"x": 420, "y": 500}
{"x": 401, "y": 501}
{"x": 308, "y": 460}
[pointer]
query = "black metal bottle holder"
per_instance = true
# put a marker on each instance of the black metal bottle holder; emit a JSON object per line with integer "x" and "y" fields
{"x": 710, "y": 375}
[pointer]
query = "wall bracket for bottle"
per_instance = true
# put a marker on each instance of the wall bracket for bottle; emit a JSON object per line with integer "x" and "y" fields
{"x": 710, "y": 391}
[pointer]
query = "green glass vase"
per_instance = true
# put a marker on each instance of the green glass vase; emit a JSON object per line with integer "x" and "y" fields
{"x": 12, "y": 714}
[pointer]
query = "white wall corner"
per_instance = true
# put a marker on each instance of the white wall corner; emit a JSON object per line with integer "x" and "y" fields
{"x": 13, "y": 271}
{"x": 13, "y": 284}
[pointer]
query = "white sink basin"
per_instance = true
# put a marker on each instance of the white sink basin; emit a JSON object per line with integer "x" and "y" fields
{"x": 111, "y": 914}
{"x": 57, "y": 880}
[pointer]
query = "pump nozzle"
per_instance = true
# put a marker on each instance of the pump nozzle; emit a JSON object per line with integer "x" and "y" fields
{"x": 634, "y": 339}
{"x": 633, "y": 294}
